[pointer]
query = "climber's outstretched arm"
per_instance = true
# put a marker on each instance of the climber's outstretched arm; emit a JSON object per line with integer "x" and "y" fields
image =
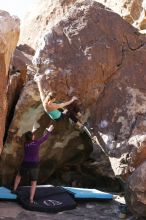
{"x": 49, "y": 105}
{"x": 42, "y": 94}
{"x": 39, "y": 80}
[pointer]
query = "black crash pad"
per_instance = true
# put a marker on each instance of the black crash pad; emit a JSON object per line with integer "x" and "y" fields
{"x": 47, "y": 199}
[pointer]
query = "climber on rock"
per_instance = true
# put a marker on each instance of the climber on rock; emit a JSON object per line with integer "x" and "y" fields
{"x": 30, "y": 162}
{"x": 56, "y": 110}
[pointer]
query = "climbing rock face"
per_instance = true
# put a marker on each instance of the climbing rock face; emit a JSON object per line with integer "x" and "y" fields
{"x": 95, "y": 52}
{"x": 22, "y": 121}
{"x": 9, "y": 34}
{"x": 65, "y": 145}
{"x": 41, "y": 17}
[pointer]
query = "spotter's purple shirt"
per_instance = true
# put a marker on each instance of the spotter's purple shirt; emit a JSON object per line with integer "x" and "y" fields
{"x": 31, "y": 149}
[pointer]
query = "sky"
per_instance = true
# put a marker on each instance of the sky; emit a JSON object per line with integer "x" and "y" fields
{"x": 16, "y": 7}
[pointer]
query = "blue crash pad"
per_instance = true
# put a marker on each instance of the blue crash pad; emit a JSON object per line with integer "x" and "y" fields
{"x": 83, "y": 193}
{"x": 79, "y": 193}
{"x": 5, "y": 193}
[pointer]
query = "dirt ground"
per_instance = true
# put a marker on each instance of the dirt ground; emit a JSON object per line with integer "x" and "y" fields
{"x": 100, "y": 210}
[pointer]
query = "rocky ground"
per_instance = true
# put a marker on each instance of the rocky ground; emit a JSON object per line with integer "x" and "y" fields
{"x": 85, "y": 211}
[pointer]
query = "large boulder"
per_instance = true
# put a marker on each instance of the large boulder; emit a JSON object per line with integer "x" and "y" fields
{"x": 94, "y": 52}
{"x": 97, "y": 55}
{"x": 29, "y": 112}
{"x": 9, "y": 34}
